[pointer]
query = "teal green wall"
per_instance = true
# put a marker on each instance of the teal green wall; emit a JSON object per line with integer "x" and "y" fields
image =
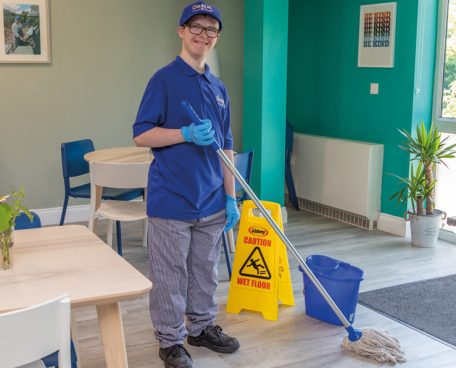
{"x": 425, "y": 61}
{"x": 329, "y": 95}
{"x": 265, "y": 78}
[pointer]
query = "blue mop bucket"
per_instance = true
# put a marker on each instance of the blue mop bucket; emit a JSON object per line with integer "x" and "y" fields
{"x": 341, "y": 281}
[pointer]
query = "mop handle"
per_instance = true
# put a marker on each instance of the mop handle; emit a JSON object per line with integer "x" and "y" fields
{"x": 229, "y": 165}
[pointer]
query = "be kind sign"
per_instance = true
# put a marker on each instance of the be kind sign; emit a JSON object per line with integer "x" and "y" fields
{"x": 377, "y": 27}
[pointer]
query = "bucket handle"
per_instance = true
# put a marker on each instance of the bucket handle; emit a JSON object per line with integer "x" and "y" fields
{"x": 314, "y": 266}
{"x": 444, "y": 215}
{"x": 345, "y": 264}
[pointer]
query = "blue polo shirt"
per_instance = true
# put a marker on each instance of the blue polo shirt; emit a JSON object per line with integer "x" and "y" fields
{"x": 185, "y": 180}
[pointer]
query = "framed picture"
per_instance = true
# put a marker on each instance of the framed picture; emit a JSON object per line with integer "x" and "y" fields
{"x": 24, "y": 37}
{"x": 377, "y": 28}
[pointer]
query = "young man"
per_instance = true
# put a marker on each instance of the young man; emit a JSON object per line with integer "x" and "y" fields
{"x": 190, "y": 196}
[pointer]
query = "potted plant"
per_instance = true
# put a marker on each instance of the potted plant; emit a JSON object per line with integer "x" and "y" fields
{"x": 10, "y": 208}
{"x": 426, "y": 150}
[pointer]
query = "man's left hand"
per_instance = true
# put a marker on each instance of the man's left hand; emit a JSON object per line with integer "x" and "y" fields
{"x": 232, "y": 213}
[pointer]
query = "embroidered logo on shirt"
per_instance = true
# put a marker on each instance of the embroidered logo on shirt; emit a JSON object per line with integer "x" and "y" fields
{"x": 220, "y": 101}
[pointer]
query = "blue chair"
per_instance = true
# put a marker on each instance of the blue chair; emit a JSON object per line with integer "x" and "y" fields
{"x": 22, "y": 223}
{"x": 288, "y": 173}
{"x": 243, "y": 163}
{"x": 73, "y": 164}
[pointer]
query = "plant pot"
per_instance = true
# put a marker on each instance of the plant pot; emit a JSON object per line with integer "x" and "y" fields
{"x": 425, "y": 229}
{"x": 6, "y": 248}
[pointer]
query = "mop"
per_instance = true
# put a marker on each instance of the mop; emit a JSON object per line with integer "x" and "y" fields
{"x": 368, "y": 341}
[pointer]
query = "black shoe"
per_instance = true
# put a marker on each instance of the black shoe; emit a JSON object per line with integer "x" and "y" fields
{"x": 176, "y": 357}
{"x": 213, "y": 338}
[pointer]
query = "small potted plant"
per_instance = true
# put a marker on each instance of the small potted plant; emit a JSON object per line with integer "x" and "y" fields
{"x": 10, "y": 208}
{"x": 426, "y": 150}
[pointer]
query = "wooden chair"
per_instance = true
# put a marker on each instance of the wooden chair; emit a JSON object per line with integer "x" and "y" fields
{"x": 118, "y": 175}
{"x": 74, "y": 165}
{"x": 27, "y": 335}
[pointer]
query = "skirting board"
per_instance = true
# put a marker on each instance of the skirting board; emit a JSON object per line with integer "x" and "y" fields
{"x": 394, "y": 225}
{"x": 51, "y": 216}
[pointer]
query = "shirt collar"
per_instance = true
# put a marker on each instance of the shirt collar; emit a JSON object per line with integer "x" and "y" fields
{"x": 207, "y": 73}
{"x": 189, "y": 71}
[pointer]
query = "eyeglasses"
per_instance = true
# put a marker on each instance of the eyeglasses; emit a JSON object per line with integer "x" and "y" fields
{"x": 197, "y": 29}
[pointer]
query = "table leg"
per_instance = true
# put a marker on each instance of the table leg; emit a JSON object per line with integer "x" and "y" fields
{"x": 112, "y": 335}
{"x": 95, "y": 201}
{"x": 144, "y": 242}
{"x": 74, "y": 336}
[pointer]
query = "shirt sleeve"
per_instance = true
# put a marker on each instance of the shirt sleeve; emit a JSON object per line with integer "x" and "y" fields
{"x": 152, "y": 110}
{"x": 228, "y": 137}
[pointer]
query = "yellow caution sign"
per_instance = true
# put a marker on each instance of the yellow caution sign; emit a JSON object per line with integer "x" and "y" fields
{"x": 261, "y": 275}
{"x": 285, "y": 293}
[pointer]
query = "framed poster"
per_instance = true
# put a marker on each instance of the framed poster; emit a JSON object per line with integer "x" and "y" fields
{"x": 377, "y": 28}
{"x": 24, "y": 37}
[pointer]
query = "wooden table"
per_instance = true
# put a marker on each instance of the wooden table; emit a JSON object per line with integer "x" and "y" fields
{"x": 52, "y": 261}
{"x": 121, "y": 154}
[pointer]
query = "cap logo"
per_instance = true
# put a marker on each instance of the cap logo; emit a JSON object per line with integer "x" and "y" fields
{"x": 203, "y": 7}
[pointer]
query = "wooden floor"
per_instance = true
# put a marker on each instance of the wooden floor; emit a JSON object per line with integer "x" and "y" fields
{"x": 294, "y": 340}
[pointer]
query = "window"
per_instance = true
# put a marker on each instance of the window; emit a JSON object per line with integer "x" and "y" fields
{"x": 444, "y": 111}
{"x": 445, "y": 76}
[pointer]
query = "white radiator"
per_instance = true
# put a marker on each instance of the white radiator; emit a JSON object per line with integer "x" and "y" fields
{"x": 341, "y": 174}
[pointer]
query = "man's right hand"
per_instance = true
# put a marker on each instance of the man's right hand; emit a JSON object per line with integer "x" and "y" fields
{"x": 201, "y": 134}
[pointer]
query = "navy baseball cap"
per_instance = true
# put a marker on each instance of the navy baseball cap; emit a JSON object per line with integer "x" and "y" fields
{"x": 200, "y": 7}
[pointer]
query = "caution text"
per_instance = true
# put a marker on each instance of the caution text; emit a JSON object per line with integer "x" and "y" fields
{"x": 257, "y": 241}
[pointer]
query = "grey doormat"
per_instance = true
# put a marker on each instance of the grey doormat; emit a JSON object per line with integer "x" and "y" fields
{"x": 428, "y": 306}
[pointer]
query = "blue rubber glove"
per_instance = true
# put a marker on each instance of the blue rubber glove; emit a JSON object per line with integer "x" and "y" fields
{"x": 201, "y": 134}
{"x": 232, "y": 212}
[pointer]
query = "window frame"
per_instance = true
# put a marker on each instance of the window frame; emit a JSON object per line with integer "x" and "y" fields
{"x": 447, "y": 125}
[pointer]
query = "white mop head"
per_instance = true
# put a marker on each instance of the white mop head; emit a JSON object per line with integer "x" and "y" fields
{"x": 376, "y": 344}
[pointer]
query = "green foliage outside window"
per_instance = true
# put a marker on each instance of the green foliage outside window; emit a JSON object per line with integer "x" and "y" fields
{"x": 449, "y": 79}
